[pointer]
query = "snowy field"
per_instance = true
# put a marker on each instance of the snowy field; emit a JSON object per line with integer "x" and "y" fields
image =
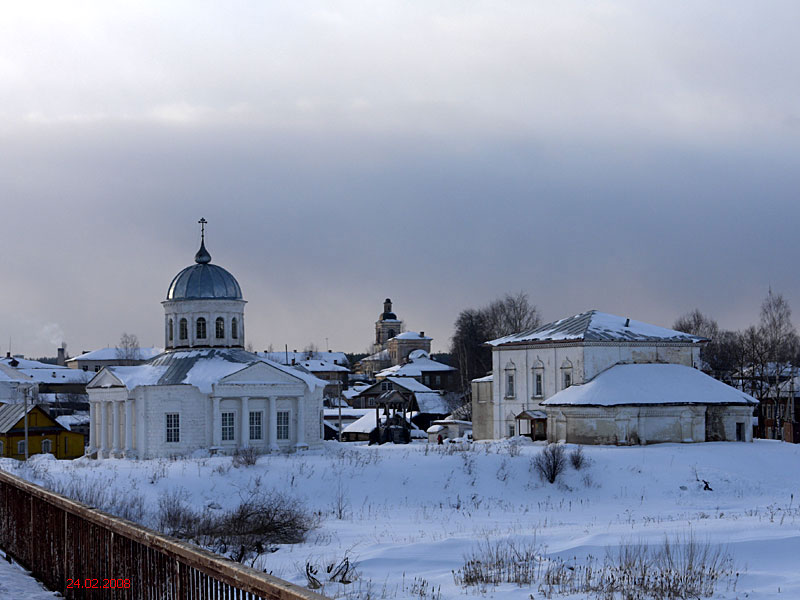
{"x": 406, "y": 516}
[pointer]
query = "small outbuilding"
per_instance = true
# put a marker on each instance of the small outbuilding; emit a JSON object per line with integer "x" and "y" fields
{"x": 647, "y": 403}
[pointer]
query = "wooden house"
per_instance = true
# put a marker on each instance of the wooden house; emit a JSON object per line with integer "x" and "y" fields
{"x": 45, "y": 434}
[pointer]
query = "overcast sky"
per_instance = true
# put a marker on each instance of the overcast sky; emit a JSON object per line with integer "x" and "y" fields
{"x": 640, "y": 158}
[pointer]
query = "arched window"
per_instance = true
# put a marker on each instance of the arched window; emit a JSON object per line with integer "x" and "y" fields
{"x": 183, "y": 328}
{"x": 566, "y": 373}
{"x": 220, "y": 328}
{"x": 201, "y": 328}
{"x": 538, "y": 379}
{"x": 47, "y": 447}
{"x": 169, "y": 331}
{"x": 234, "y": 329}
{"x": 511, "y": 372}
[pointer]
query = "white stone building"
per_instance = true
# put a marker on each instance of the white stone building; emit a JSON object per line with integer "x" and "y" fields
{"x": 204, "y": 391}
{"x": 537, "y": 376}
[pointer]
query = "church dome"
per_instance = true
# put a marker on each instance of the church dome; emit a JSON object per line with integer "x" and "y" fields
{"x": 203, "y": 280}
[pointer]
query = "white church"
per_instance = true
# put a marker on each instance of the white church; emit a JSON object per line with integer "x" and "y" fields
{"x": 205, "y": 392}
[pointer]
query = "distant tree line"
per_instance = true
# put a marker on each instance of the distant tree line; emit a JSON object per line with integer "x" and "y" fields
{"x": 759, "y": 358}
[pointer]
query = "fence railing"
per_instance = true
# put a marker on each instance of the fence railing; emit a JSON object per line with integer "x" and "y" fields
{"x": 86, "y": 553}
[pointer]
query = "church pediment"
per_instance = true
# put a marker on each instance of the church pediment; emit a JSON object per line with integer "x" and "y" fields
{"x": 261, "y": 373}
{"x": 105, "y": 379}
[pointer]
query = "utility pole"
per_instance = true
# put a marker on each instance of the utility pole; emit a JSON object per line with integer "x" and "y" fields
{"x": 25, "y": 418}
{"x": 339, "y": 402}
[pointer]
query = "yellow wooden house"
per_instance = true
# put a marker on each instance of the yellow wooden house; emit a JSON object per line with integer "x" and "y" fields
{"x": 45, "y": 434}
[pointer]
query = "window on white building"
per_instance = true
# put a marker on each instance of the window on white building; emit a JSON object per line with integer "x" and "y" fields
{"x": 220, "y": 328}
{"x": 256, "y": 429}
{"x": 173, "y": 428}
{"x": 228, "y": 420}
{"x": 509, "y": 384}
{"x": 510, "y": 431}
{"x": 170, "y": 330}
{"x": 183, "y": 329}
{"x": 538, "y": 383}
{"x": 47, "y": 447}
{"x": 566, "y": 374}
{"x": 283, "y": 424}
{"x": 234, "y": 328}
{"x": 200, "y": 328}
{"x": 511, "y": 371}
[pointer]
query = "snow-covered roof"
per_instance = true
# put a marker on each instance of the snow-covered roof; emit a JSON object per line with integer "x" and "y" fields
{"x": 411, "y": 335}
{"x": 26, "y": 363}
{"x": 418, "y": 363}
{"x": 11, "y": 413}
{"x": 355, "y": 391}
{"x": 321, "y": 366}
{"x": 377, "y": 357}
{"x": 633, "y": 384}
{"x": 68, "y": 421}
{"x": 333, "y": 413}
{"x": 201, "y": 368}
{"x": 286, "y": 358}
{"x": 363, "y": 425}
{"x": 369, "y": 421}
{"x": 410, "y": 384}
{"x": 55, "y": 374}
{"x": 114, "y": 354}
{"x": 482, "y": 379}
{"x": 11, "y": 374}
{"x": 432, "y": 403}
{"x": 595, "y": 326}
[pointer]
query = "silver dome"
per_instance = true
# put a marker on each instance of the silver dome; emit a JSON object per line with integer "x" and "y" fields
{"x": 204, "y": 280}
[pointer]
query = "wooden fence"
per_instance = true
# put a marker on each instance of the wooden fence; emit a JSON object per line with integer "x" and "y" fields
{"x": 85, "y": 553}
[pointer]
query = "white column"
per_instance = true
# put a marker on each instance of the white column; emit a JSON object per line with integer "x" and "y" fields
{"x": 103, "y": 431}
{"x": 128, "y": 428}
{"x": 273, "y": 423}
{"x": 301, "y": 422}
{"x": 216, "y": 424}
{"x": 92, "y": 427}
{"x": 141, "y": 428}
{"x": 245, "y": 437}
{"x": 115, "y": 425}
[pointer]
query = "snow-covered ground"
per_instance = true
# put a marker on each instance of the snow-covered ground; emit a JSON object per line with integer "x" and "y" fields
{"x": 406, "y": 516}
{"x": 16, "y": 584}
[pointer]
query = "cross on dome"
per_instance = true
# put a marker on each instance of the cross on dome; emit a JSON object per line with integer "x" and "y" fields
{"x": 202, "y": 257}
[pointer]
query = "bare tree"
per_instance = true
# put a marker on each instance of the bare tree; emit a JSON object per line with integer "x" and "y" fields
{"x": 128, "y": 351}
{"x": 780, "y": 343}
{"x": 696, "y": 323}
{"x": 512, "y": 314}
{"x": 474, "y": 327}
{"x": 715, "y": 355}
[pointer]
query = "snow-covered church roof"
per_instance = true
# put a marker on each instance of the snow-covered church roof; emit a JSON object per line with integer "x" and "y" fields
{"x": 652, "y": 383}
{"x": 201, "y": 368}
{"x": 596, "y": 326}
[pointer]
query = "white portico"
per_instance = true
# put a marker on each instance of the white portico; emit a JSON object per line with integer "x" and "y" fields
{"x": 205, "y": 391}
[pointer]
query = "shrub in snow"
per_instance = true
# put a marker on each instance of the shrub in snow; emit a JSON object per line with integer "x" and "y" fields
{"x": 259, "y": 521}
{"x": 577, "y": 459}
{"x": 245, "y": 457}
{"x": 550, "y": 462}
